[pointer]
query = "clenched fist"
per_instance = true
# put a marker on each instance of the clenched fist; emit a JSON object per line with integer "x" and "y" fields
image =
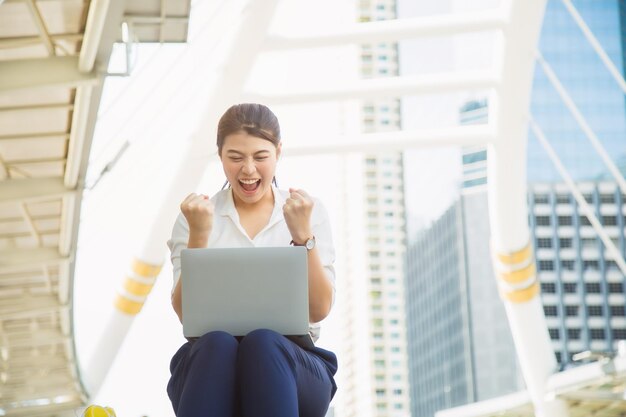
{"x": 297, "y": 212}
{"x": 198, "y": 210}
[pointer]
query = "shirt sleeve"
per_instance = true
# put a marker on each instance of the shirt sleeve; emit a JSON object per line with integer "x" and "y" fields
{"x": 324, "y": 241}
{"x": 178, "y": 242}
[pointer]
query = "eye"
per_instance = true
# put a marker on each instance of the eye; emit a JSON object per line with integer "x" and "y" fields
{"x": 235, "y": 159}
{"x": 261, "y": 158}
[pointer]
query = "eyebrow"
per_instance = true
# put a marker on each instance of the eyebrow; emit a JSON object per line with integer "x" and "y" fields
{"x": 232, "y": 151}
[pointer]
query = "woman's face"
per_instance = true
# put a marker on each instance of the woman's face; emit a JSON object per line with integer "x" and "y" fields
{"x": 249, "y": 164}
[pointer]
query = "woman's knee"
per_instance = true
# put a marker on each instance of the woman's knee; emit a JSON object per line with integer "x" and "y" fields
{"x": 215, "y": 342}
{"x": 261, "y": 341}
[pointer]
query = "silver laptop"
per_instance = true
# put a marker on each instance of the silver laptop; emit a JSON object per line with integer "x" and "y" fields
{"x": 238, "y": 290}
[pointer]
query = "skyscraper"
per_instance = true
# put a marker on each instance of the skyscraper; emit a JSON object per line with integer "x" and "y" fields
{"x": 582, "y": 289}
{"x": 377, "y": 379}
{"x": 459, "y": 343}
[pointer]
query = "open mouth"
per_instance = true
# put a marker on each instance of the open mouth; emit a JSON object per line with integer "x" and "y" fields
{"x": 250, "y": 186}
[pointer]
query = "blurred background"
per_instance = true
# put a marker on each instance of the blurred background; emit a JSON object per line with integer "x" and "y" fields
{"x": 387, "y": 111}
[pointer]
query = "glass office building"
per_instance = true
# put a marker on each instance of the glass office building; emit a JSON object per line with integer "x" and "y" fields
{"x": 588, "y": 82}
{"x": 583, "y": 291}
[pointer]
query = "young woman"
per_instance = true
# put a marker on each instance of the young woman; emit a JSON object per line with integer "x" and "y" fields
{"x": 262, "y": 374}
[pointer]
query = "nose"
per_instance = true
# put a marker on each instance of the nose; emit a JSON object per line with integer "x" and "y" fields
{"x": 248, "y": 167}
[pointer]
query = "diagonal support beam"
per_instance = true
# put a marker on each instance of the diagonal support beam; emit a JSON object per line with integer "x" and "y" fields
{"x": 375, "y": 88}
{"x": 40, "y": 72}
{"x": 32, "y": 188}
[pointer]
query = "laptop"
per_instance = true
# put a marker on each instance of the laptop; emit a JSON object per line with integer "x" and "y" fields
{"x": 238, "y": 290}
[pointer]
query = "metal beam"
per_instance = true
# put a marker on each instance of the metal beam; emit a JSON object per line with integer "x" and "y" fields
{"x": 40, "y": 72}
{"x": 51, "y": 106}
{"x": 93, "y": 34}
{"x": 16, "y": 257}
{"x": 41, "y": 26}
{"x": 395, "y": 141}
{"x": 21, "y": 41}
{"x": 32, "y": 188}
{"x": 83, "y": 113}
{"x": 40, "y": 136}
{"x": 392, "y": 30}
{"x": 375, "y": 88}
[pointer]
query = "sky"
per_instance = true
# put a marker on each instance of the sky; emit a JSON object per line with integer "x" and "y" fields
{"x": 154, "y": 111}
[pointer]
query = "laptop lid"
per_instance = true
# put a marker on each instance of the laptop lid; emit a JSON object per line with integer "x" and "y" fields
{"x": 238, "y": 290}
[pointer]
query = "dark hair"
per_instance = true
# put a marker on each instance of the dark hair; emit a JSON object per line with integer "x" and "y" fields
{"x": 254, "y": 119}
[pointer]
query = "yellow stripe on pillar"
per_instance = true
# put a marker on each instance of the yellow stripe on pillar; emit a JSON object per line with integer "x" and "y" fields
{"x": 128, "y": 306}
{"x": 516, "y": 257}
{"x": 519, "y": 276}
{"x": 522, "y": 295}
{"x": 137, "y": 288}
{"x": 144, "y": 269}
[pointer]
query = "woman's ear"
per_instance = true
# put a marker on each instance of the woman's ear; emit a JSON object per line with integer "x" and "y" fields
{"x": 279, "y": 148}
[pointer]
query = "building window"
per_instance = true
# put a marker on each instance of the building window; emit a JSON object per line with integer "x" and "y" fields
{"x": 548, "y": 287}
{"x": 592, "y": 265}
{"x": 541, "y": 199}
{"x": 567, "y": 264}
{"x": 380, "y": 392}
{"x": 550, "y": 311}
{"x": 571, "y": 311}
{"x": 589, "y": 242}
{"x": 565, "y": 242}
{"x": 592, "y": 287}
{"x": 618, "y": 311}
{"x": 544, "y": 242}
{"x": 619, "y": 334}
{"x": 562, "y": 198}
{"x": 546, "y": 265}
{"x": 543, "y": 220}
{"x": 554, "y": 334}
{"x": 565, "y": 220}
{"x": 573, "y": 334}
{"x": 611, "y": 265}
{"x": 609, "y": 220}
{"x": 607, "y": 198}
{"x": 616, "y": 287}
{"x": 570, "y": 287}
{"x": 474, "y": 157}
{"x": 588, "y": 198}
{"x": 584, "y": 221}
{"x": 594, "y": 311}
{"x": 597, "y": 334}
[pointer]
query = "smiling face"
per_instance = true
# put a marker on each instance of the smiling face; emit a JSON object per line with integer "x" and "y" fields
{"x": 249, "y": 163}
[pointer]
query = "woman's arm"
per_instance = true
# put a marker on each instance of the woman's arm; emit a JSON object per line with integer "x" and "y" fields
{"x": 297, "y": 210}
{"x": 198, "y": 210}
{"x": 320, "y": 288}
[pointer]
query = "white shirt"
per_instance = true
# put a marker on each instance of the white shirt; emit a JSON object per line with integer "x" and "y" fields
{"x": 228, "y": 232}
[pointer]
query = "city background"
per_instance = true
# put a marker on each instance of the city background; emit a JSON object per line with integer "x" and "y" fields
{"x": 419, "y": 323}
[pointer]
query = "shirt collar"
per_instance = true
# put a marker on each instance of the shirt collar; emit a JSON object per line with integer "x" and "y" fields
{"x": 228, "y": 208}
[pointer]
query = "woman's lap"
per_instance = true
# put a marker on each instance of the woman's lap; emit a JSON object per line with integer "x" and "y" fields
{"x": 271, "y": 371}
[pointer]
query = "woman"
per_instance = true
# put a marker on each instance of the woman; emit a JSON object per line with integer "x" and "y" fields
{"x": 262, "y": 374}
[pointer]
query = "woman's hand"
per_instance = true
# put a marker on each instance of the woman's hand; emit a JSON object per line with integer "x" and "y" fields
{"x": 198, "y": 210}
{"x": 297, "y": 211}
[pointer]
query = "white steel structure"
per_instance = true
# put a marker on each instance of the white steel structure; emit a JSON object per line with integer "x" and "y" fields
{"x": 42, "y": 167}
{"x": 53, "y": 60}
